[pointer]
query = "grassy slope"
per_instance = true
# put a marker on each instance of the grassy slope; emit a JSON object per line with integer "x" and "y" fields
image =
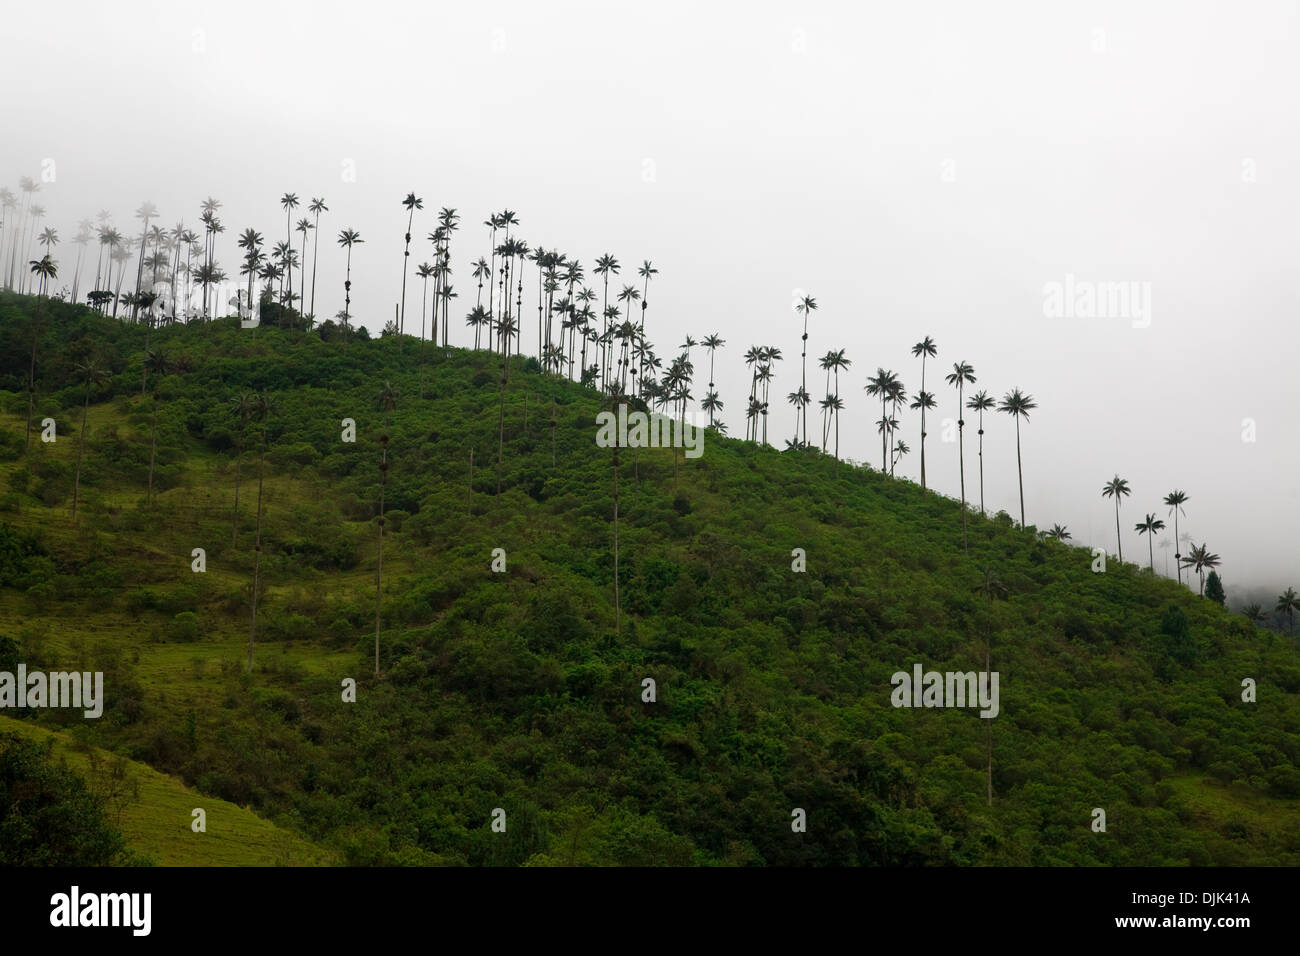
{"x": 774, "y": 686}
{"x": 158, "y": 824}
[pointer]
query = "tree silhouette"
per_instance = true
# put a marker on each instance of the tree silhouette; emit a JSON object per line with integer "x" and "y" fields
{"x": 1116, "y": 488}
{"x": 1150, "y": 526}
{"x": 1019, "y": 406}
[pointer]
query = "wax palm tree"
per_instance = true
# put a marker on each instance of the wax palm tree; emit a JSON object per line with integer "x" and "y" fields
{"x": 1288, "y": 602}
{"x": 1150, "y": 526}
{"x": 387, "y": 401}
{"x": 896, "y": 454}
{"x": 961, "y": 375}
{"x": 145, "y": 213}
{"x": 992, "y": 588}
{"x": 250, "y": 240}
{"x": 1201, "y": 559}
{"x": 347, "y": 239}
{"x": 155, "y": 360}
{"x": 606, "y": 266}
{"x": 316, "y": 208}
{"x": 924, "y": 349}
{"x": 290, "y": 202}
{"x": 92, "y": 373}
{"x": 836, "y": 406}
{"x": 1019, "y": 406}
{"x": 884, "y": 385}
{"x": 1059, "y": 532}
{"x": 45, "y": 269}
{"x": 244, "y": 407}
{"x": 1116, "y": 488}
{"x": 1175, "y": 500}
{"x": 1254, "y": 613}
{"x": 980, "y": 402}
{"x": 412, "y": 203}
{"x": 805, "y": 307}
{"x": 264, "y": 407}
{"x": 422, "y": 272}
{"x": 799, "y": 399}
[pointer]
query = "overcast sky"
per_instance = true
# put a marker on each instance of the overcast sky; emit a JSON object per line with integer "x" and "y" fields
{"x": 920, "y": 168}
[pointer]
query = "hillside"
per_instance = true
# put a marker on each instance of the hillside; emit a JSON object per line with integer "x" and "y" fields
{"x": 521, "y": 691}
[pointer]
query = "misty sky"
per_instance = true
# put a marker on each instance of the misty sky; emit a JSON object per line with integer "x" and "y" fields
{"x": 920, "y": 168}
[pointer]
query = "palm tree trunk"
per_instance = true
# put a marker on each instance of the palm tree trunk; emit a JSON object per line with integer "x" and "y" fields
{"x": 981, "y": 457}
{"x": 153, "y": 447}
{"x": 1020, "y": 471}
{"x": 1119, "y": 541}
{"x": 257, "y": 556}
{"x": 315, "y": 254}
{"x": 31, "y": 379}
{"x": 81, "y": 446}
{"x": 618, "y": 618}
{"x": 961, "y": 460}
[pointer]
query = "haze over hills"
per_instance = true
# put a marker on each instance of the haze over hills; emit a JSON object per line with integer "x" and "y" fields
{"x": 523, "y": 689}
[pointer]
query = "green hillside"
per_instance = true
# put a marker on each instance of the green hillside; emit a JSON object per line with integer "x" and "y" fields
{"x": 522, "y": 691}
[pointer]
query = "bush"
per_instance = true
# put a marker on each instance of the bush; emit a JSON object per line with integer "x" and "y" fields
{"x": 183, "y": 628}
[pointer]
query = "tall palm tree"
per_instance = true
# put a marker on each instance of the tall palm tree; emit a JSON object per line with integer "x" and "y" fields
{"x": 92, "y": 373}
{"x": 924, "y": 349}
{"x": 992, "y": 588}
{"x": 155, "y": 360}
{"x": 244, "y": 406}
{"x": 961, "y": 375}
{"x": 264, "y": 407}
{"x": 316, "y": 208}
{"x": 799, "y": 399}
{"x": 606, "y": 266}
{"x": 1201, "y": 559}
{"x": 412, "y": 203}
{"x": 45, "y": 269}
{"x": 387, "y": 401}
{"x": 884, "y": 384}
{"x": 805, "y": 307}
{"x": 1175, "y": 500}
{"x": 1116, "y": 488}
{"x": 250, "y": 240}
{"x": 347, "y": 239}
{"x": 836, "y": 406}
{"x": 1059, "y": 532}
{"x": 979, "y": 402}
{"x": 146, "y": 212}
{"x": 1018, "y": 405}
{"x": 1150, "y": 527}
{"x": 290, "y": 202}
{"x": 1288, "y": 602}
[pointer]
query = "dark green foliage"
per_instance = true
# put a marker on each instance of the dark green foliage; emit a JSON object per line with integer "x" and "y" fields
{"x": 1214, "y": 588}
{"x": 47, "y": 815}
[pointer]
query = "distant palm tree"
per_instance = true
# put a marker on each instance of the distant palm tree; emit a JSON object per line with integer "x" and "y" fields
{"x": 387, "y": 401}
{"x": 980, "y": 402}
{"x": 1116, "y": 488}
{"x": 1019, "y": 406}
{"x": 1288, "y": 602}
{"x": 1176, "y": 499}
{"x": 992, "y": 588}
{"x": 799, "y": 399}
{"x": 412, "y": 203}
{"x": 264, "y": 407}
{"x": 1254, "y": 613}
{"x": 347, "y": 239}
{"x": 883, "y": 385}
{"x": 92, "y": 373}
{"x": 146, "y": 212}
{"x": 961, "y": 375}
{"x": 1059, "y": 532}
{"x": 46, "y": 269}
{"x": 805, "y": 307}
{"x": 924, "y": 349}
{"x": 1150, "y": 527}
{"x": 244, "y": 406}
{"x": 290, "y": 202}
{"x": 316, "y": 208}
{"x": 1201, "y": 559}
{"x": 155, "y": 360}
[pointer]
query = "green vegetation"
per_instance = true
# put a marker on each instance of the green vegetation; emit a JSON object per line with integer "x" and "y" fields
{"x": 521, "y": 690}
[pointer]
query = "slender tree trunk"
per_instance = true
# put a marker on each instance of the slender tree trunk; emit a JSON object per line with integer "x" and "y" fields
{"x": 234, "y": 524}
{"x": 81, "y": 447}
{"x": 31, "y": 379}
{"x": 618, "y": 612}
{"x": 257, "y": 556}
{"x": 1119, "y": 541}
{"x": 981, "y": 457}
{"x": 961, "y": 459}
{"x": 1021, "y": 473}
{"x": 153, "y": 447}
